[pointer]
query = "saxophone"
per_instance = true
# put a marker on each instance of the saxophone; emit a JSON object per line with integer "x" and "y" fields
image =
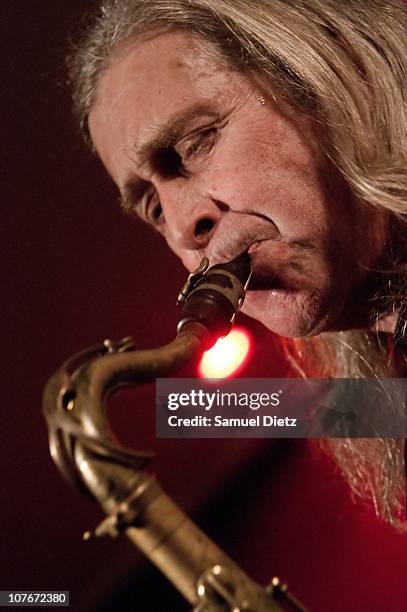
{"x": 87, "y": 455}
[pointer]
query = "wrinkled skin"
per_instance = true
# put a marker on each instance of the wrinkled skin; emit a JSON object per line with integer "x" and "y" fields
{"x": 211, "y": 159}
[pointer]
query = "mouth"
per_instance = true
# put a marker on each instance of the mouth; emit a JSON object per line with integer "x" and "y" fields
{"x": 270, "y": 262}
{"x": 283, "y": 291}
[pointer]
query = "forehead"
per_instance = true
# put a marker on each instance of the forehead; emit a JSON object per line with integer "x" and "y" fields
{"x": 148, "y": 81}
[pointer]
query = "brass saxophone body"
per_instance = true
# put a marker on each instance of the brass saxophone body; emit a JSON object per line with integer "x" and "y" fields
{"x": 87, "y": 455}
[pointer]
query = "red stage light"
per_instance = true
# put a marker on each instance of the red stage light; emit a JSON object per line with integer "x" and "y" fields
{"x": 227, "y": 356}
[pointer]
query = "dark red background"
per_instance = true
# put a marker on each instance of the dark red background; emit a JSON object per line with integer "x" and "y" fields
{"x": 76, "y": 271}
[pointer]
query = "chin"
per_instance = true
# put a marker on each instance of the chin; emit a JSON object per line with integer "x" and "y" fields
{"x": 292, "y": 314}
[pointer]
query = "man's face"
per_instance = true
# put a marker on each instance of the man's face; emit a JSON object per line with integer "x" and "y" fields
{"x": 208, "y": 157}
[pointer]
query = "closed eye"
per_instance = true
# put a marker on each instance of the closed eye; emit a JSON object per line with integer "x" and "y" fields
{"x": 153, "y": 210}
{"x": 141, "y": 200}
{"x": 179, "y": 159}
{"x": 202, "y": 143}
{"x": 148, "y": 207}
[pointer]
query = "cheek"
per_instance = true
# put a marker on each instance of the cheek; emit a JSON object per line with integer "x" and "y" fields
{"x": 284, "y": 185}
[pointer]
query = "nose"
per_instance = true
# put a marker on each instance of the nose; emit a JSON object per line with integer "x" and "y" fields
{"x": 190, "y": 218}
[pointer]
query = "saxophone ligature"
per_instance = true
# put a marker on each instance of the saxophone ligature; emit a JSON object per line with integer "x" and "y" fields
{"x": 88, "y": 456}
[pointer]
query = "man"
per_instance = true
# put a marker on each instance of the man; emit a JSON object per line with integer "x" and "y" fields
{"x": 278, "y": 128}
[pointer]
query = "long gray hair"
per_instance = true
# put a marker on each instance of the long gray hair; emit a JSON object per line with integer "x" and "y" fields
{"x": 345, "y": 64}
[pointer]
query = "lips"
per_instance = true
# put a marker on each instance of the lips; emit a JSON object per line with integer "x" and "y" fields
{"x": 254, "y": 247}
{"x": 268, "y": 258}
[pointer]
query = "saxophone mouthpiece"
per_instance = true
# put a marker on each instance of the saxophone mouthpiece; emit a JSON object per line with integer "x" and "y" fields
{"x": 240, "y": 266}
{"x": 212, "y": 296}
